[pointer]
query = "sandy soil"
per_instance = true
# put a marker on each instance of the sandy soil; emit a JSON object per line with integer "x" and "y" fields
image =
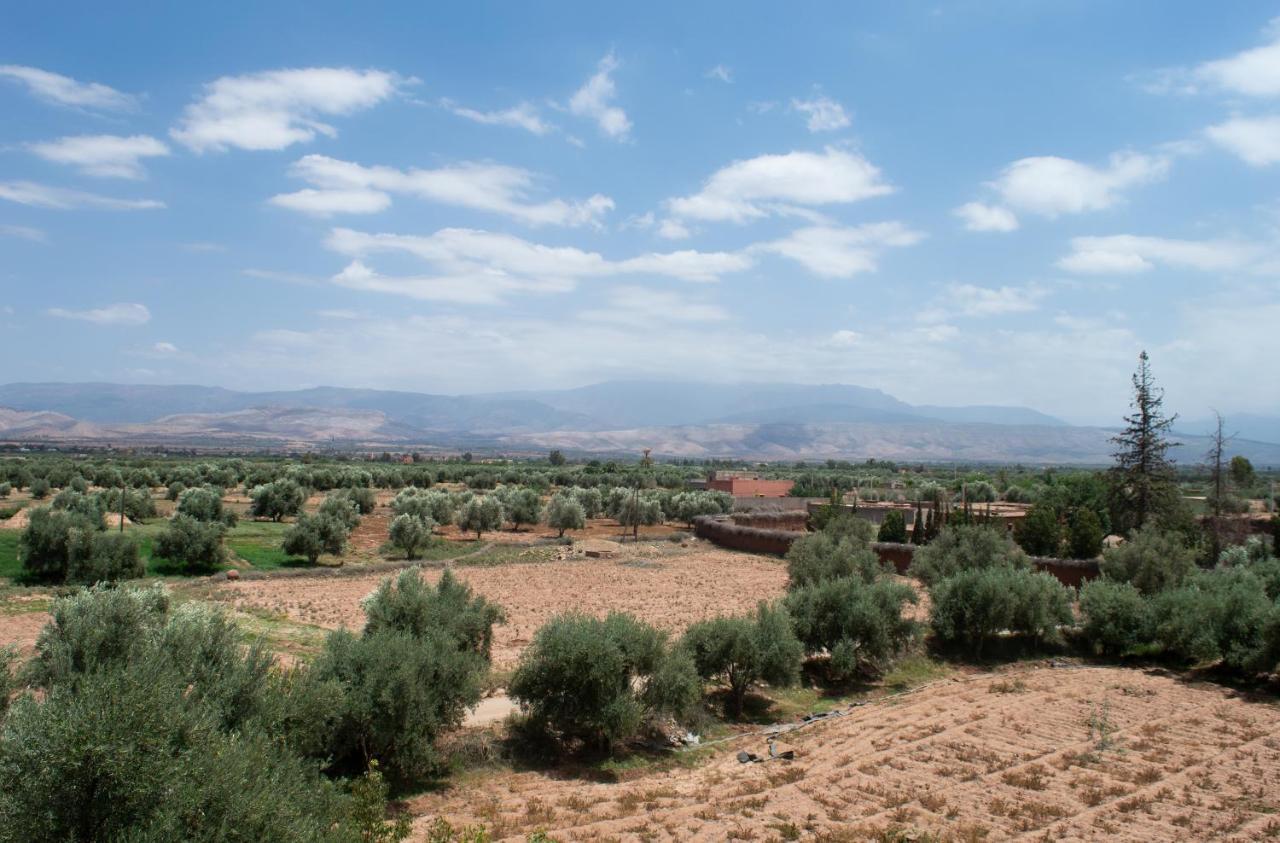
{"x": 21, "y": 630}
{"x": 663, "y": 583}
{"x": 993, "y": 757}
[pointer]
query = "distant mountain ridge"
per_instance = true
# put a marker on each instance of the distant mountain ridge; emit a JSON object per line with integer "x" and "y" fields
{"x": 753, "y": 421}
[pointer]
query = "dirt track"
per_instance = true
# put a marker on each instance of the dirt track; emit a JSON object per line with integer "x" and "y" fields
{"x": 991, "y": 758}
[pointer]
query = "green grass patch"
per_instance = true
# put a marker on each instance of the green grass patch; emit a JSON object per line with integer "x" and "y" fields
{"x": 266, "y": 558}
{"x": 914, "y": 670}
{"x": 10, "y": 567}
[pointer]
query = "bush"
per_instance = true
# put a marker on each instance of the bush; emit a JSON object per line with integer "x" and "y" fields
{"x": 1116, "y": 616}
{"x": 1152, "y": 560}
{"x": 40, "y": 489}
{"x": 194, "y": 546}
{"x": 820, "y": 557}
{"x": 77, "y": 503}
{"x": 7, "y": 682}
{"x": 591, "y": 500}
{"x": 5, "y": 490}
{"x": 638, "y": 511}
{"x": 480, "y": 515}
{"x": 1039, "y": 532}
{"x": 45, "y": 546}
{"x": 1084, "y": 534}
{"x": 103, "y": 557}
{"x": 564, "y": 512}
{"x": 893, "y": 528}
{"x": 976, "y": 604}
{"x": 399, "y": 693}
{"x": 522, "y": 506}
{"x": 409, "y": 604}
{"x": 312, "y": 535}
{"x": 687, "y": 506}
{"x": 1220, "y": 614}
{"x": 363, "y": 499}
{"x": 861, "y": 626}
{"x": 203, "y": 503}
{"x": 584, "y": 679}
{"x": 277, "y": 500}
{"x": 410, "y": 532}
{"x": 979, "y": 491}
{"x": 340, "y": 507}
{"x": 966, "y": 548}
{"x": 741, "y": 651}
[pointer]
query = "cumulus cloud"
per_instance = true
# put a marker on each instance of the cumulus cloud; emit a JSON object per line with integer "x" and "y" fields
{"x": 480, "y": 267}
{"x": 594, "y": 100}
{"x": 980, "y": 217}
{"x": 62, "y": 199}
{"x": 824, "y": 114}
{"x": 840, "y": 252}
{"x": 1128, "y": 253}
{"x": 350, "y": 188}
{"x": 523, "y": 116}
{"x": 108, "y": 156}
{"x": 1052, "y": 186}
{"x": 63, "y": 90}
{"x": 1254, "y": 72}
{"x": 670, "y": 229}
{"x": 125, "y": 313}
{"x": 278, "y": 108}
{"x": 769, "y": 184}
{"x": 1255, "y": 140}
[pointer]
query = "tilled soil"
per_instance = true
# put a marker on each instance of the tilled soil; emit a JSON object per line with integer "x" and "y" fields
{"x": 1015, "y": 755}
{"x": 666, "y": 585}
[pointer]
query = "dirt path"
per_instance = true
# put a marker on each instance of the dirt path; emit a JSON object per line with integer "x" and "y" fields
{"x": 997, "y": 757}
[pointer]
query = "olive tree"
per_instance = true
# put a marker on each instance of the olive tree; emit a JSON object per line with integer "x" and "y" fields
{"x": 564, "y": 512}
{"x": 741, "y": 651}
{"x": 410, "y": 532}
{"x": 479, "y": 514}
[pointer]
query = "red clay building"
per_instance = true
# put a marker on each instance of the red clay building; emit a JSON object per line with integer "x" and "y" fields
{"x": 750, "y": 486}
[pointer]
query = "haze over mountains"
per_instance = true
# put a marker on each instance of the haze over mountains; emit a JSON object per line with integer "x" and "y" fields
{"x": 762, "y": 421}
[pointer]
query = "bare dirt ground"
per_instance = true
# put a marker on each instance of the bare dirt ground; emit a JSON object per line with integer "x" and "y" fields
{"x": 19, "y": 629}
{"x": 597, "y": 528}
{"x": 988, "y": 757}
{"x": 663, "y": 583}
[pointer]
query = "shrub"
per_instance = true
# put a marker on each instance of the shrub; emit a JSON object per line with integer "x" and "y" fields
{"x": 820, "y": 557}
{"x": 410, "y": 532}
{"x": 40, "y": 489}
{"x": 277, "y": 500}
{"x": 340, "y": 507}
{"x": 893, "y": 528}
{"x": 564, "y": 512}
{"x": 975, "y": 604}
{"x": 7, "y": 682}
{"x": 861, "y": 626}
{"x": 591, "y": 500}
{"x": 1019, "y": 494}
{"x": 1183, "y": 621}
{"x": 1116, "y": 616}
{"x": 687, "y": 506}
{"x": 76, "y": 503}
{"x": 436, "y": 505}
{"x": 1039, "y": 532}
{"x": 399, "y": 693}
{"x": 97, "y": 556}
{"x": 591, "y": 680}
{"x": 742, "y": 650}
{"x": 203, "y": 503}
{"x": 363, "y": 499}
{"x": 312, "y": 535}
{"x": 1220, "y": 614}
{"x": 1152, "y": 559}
{"x": 194, "y": 546}
{"x": 1084, "y": 534}
{"x": 979, "y": 491}
{"x": 966, "y": 548}
{"x": 138, "y": 505}
{"x": 175, "y": 490}
{"x": 409, "y": 604}
{"x": 479, "y": 515}
{"x": 45, "y": 546}
{"x": 638, "y": 511}
{"x": 5, "y": 490}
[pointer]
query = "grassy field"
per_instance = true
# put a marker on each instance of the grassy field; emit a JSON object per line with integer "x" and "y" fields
{"x": 9, "y": 566}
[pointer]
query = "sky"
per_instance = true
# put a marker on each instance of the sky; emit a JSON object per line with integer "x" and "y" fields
{"x": 958, "y": 203}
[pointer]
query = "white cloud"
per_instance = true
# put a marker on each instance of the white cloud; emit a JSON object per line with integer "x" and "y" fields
{"x": 1256, "y": 140}
{"x": 724, "y": 74}
{"x": 109, "y": 156}
{"x": 278, "y": 108}
{"x": 1254, "y": 72}
{"x": 164, "y": 348}
{"x": 594, "y": 101}
{"x": 24, "y": 232}
{"x": 642, "y": 306}
{"x": 844, "y": 338}
{"x": 284, "y": 277}
{"x": 57, "y": 198}
{"x": 523, "y": 116}
{"x": 754, "y": 188}
{"x": 124, "y": 313}
{"x": 838, "y": 252}
{"x": 1052, "y": 186}
{"x": 972, "y": 300}
{"x": 347, "y": 187}
{"x": 670, "y": 229}
{"x": 824, "y": 114}
{"x": 466, "y": 266}
{"x": 1128, "y": 253}
{"x": 63, "y": 90}
{"x": 980, "y": 217}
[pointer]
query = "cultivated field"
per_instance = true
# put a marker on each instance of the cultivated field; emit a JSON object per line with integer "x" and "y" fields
{"x": 1013, "y": 755}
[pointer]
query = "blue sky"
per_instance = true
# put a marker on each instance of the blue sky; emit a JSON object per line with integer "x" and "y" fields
{"x": 954, "y": 202}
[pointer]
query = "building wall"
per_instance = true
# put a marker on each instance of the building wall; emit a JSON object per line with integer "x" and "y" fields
{"x": 752, "y": 488}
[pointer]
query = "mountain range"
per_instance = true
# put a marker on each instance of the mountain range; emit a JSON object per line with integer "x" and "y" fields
{"x": 689, "y": 419}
